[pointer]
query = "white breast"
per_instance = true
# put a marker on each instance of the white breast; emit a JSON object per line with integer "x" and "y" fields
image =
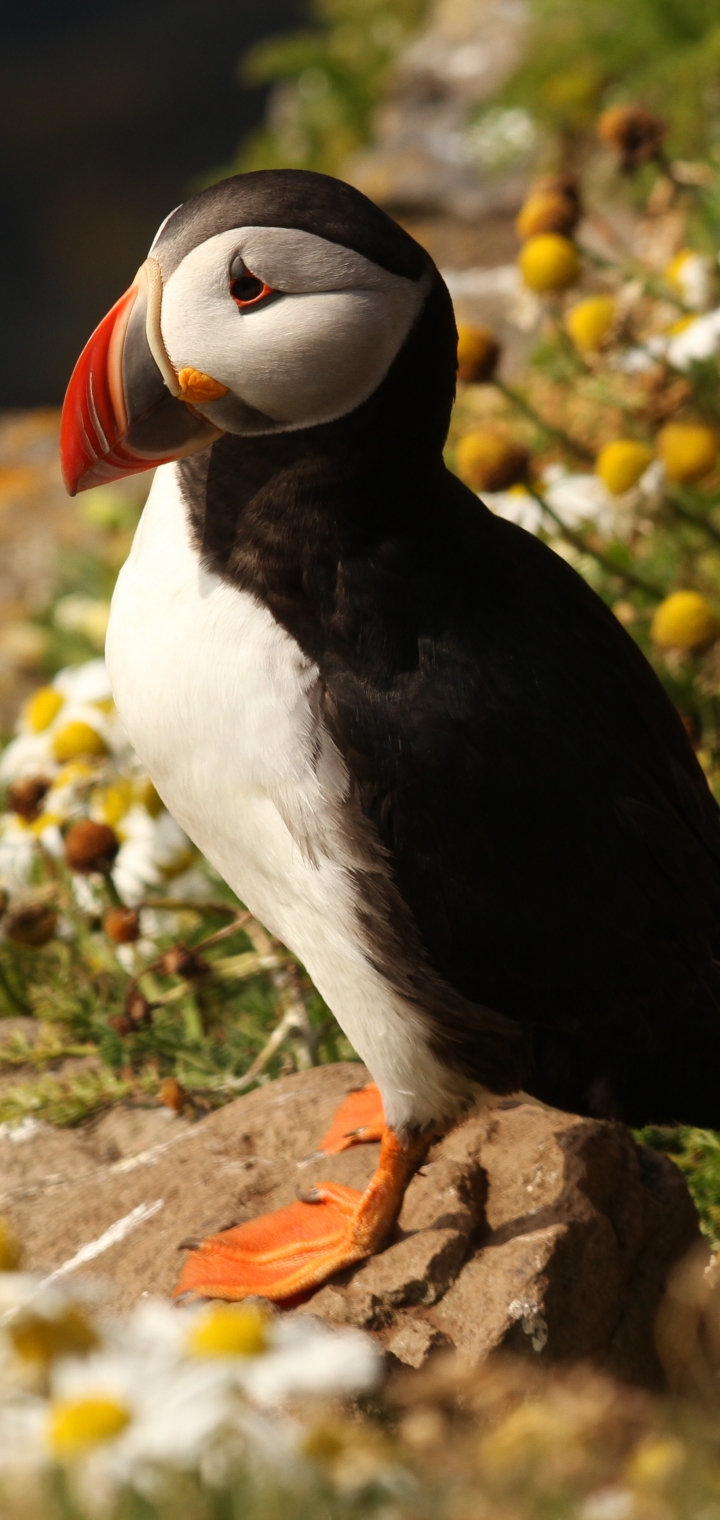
{"x": 217, "y": 700}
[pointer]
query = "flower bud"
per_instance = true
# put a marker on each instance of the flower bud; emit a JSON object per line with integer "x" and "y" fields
{"x": 559, "y": 184}
{"x": 634, "y": 133}
{"x": 180, "y": 960}
{"x": 621, "y": 463}
{"x": 137, "y": 1008}
{"x": 90, "y": 846}
{"x": 31, "y": 924}
{"x": 121, "y": 1024}
{"x": 25, "y": 796}
{"x": 173, "y": 1095}
{"x": 688, "y": 450}
{"x": 547, "y": 212}
{"x": 488, "y": 462}
{"x": 122, "y": 925}
{"x": 549, "y": 262}
{"x": 591, "y": 322}
{"x": 478, "y": 353}
{"x": 684, "y": 620}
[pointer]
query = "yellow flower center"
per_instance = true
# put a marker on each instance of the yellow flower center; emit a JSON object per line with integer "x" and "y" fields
{"x": 144, "y": 792}
{"x": 657, "y": 1463}
{"x": 549, "y": 262}
{"x": 590, "y": 322}
{"x": 78, "y": 1424}
{"x": 77, "y": 738}
{"x": 684, "y": 620}
{"x": 114, "y": 801}
{"x": 488, "y": 462}
{"x": 621, "y": 463}
{"x": 44, "y": 821}
{"x": 688, "y": 450}
{"x": 42, "y": 708}
{"x": 230, "y": 1330}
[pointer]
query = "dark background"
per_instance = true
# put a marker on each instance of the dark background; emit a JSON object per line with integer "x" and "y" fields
{"x": 109, "y": 110}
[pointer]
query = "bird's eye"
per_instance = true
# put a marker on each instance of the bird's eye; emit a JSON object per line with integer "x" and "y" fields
{"x": 246, "y": 288}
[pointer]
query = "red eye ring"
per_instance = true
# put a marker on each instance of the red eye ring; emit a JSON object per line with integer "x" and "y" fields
{"x": 249, "y": 290}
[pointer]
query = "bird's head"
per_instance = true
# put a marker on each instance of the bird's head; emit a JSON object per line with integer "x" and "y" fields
{"x": 270, "y": 303}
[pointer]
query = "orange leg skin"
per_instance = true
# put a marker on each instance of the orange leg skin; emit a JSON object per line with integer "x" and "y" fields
{"x": 359, "y": 1118}
{"x": 295, "y": 1249}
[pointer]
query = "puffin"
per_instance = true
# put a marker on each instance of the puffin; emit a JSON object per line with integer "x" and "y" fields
{"x": 412, "y": 739}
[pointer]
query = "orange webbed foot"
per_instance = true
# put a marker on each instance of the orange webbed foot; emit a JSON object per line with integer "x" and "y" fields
{"x": 359, "y": 1118}
{"x": 295, "y": 1249}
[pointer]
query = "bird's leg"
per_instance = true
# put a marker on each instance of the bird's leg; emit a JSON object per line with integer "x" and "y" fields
{"x": 297, "y": 1248}
{"x": 359, "y": 1118}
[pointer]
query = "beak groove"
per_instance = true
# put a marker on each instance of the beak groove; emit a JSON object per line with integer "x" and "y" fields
{"x": 121, "y": 413}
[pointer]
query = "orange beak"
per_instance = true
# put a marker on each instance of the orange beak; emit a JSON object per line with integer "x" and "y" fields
{"x": 125, "y": 408}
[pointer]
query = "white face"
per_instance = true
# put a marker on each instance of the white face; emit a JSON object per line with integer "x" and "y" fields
{"x": 308, "y": 355}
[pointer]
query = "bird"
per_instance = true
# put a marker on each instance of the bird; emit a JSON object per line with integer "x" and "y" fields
{"x": 413, "y": 740}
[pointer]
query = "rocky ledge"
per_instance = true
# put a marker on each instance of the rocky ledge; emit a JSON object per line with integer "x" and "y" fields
{"x": 527, "y": 1229}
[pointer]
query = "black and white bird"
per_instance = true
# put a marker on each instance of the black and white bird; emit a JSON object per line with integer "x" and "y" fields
{"x": 416, "y": 744}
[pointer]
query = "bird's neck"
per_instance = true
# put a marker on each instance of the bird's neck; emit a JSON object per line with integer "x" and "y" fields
{"x": 317, "y": 536}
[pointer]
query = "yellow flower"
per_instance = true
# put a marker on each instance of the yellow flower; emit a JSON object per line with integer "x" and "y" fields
{"x": 114, "y": 801}
{"x": 75, "y": 1425}
{"x": 684, "y": 620}
{"x": 10, "y": 1248}
{"x": 44, "y": 821}
{"x": 42, "y": 708}
{"x": 39, "y": 1338}
{"x": 488, "y": 462}
{"x": 549, "y": 262}
{"x": 230, "y": 1330}
{"x": 547, "y": 212}
{"x": 688, "y": 450}
{"x": 689, "y": 275}
{"x": 621, "y": 463}
{"x": 144, "y": 793}
{"x": 657, "y": 1462}
{"x": 77, "y": 738}
{"x": 590, "y": 322}
{"x": 478, "y": 352}
{"x": 675, "y": 328}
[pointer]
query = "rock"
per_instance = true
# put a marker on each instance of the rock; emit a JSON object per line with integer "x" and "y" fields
{"x": 527, "y": 1229}
{"x": 429, "y": 153}
{"x": 533, "y": 1231}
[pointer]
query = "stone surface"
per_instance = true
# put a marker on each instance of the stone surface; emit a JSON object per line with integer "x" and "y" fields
{"x": 527, "y": 1229}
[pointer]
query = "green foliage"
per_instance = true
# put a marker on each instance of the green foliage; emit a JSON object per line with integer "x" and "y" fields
{"x": 664, "y": 53}
{"x": 328, "y": 80}
{"x": 697, "y": 1153}
{"x": 205, "y": 1033}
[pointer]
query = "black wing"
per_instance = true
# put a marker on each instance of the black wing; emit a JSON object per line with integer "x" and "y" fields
{"x": 546, "y": 822}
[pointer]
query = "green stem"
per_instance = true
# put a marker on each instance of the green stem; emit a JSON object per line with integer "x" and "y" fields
{"x": 10, "y": 993}
{"x": 580, "y": 542}
{"x": 547, "y": 427}
{"x": 698, "y": 522}
{"x": 112, "y": 891}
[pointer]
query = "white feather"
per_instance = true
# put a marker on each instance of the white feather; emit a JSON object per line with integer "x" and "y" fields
{"x": 216, "y": 699}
